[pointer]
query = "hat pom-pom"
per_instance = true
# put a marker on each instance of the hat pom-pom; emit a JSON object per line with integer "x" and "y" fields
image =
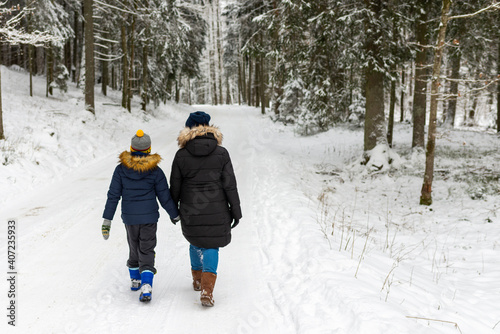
{"x": 139, "y": 133}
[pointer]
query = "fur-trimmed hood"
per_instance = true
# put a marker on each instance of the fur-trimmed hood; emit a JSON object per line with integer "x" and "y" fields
{"x": 140, "y": 163}
{"x": 188, "y": 134}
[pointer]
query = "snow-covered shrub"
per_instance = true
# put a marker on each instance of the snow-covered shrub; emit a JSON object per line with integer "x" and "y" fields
{"x": 380, "y": 159}
{"x": 481, "y": 182}
{"x": 61, "y": 78}
{"x": 291, "y": 102}
{"x": 357, "y": 110}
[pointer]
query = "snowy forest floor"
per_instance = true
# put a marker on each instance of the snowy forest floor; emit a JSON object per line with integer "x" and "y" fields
{"x": 322, "y": 248}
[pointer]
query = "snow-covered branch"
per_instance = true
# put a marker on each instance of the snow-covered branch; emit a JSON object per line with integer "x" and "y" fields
{"x": 106, "y": 39}
{"x": 493, "y": 6}
{"x": 114, "y": 7}
{"x": 37, "y": 38}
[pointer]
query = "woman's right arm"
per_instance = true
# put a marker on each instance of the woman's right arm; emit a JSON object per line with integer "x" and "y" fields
{"x": 175, "y": 181}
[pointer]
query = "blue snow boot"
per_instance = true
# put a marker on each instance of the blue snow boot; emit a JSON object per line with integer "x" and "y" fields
{"x": 135, "y": 278}
{"x": 147, "y": 286}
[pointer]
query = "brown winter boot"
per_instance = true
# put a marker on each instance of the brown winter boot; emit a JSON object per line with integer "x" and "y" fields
{"x": 207, "y": 288}
{"x": 196, "y": 279}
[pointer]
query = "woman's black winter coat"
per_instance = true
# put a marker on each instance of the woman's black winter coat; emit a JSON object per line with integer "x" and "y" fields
{"x": 203, "y": 181}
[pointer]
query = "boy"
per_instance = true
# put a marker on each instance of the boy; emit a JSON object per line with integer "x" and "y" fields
{"x": 138, "y": 181}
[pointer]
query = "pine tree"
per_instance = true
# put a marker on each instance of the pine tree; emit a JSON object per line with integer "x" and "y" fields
{"x": 12, "y": 34}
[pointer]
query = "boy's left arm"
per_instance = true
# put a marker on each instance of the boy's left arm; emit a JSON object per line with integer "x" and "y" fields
{"x": 163, "y": 194}
{"x": 114, "y": 195}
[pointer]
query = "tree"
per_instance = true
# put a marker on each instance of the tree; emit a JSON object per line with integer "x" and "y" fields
{"x": 89, "y": 55}
{"x": 51, "y": 17}
{"x": 2, "y": 135}
{"x": 13, "y": 35}
{"x": 426, "y": 193}
{"x": 375, "y": 133}
{"x": 125, "y": 66}
{"x": 426, "y": 196}
{"x": 420, "y": 85}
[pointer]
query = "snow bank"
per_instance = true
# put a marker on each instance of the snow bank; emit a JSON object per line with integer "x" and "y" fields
{"x": 47, "y": 137}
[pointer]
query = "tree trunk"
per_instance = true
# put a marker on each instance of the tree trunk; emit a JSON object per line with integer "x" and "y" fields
{"x": 257, "y": 83}
{"x": 374, "y": 115}
{"x": 392, "y": 101}
{"x": 498, "y": 85}
{"x": 67, "y": 55}
{"x": 145, "y": 76}
{"x": 178, "y": 82}
{"x": 243, "y": 80}
{"x": 452, "y": 103}
{"x": 104, "y": 78}
{"x": 392, "y": 105}
{"x": 89, "y": 56}
{"x": 131, "y": 78}
{"x": 420, "y": 91}
{"x": 189, "y": 91}
{"x": 249, "y": 86}
{"x": 240, "y": 90}
{"x": 262, "y": 87}
{"x": 219, "y": 49}
{"x": 228, "y": 91}
{"x": 402, "y": 100}
{"x": 50, "y": 70}
{"x": 24, "y": 56}
{"x": 113, "y": 77}
{"x": 426, "y": 196}
{"x": 215, "y": 101}
{"x": 2, "y": 135}
{"x": 30, "y": 56}
{"x": 105, "y": 67}
{"x": 114, "y": 65}
{"x": 125, "y": 68}
{"x": 3, "y": 54}
{"x": 212, "y": 59}
{"x": 19, "y": 55}
{"x": 75, "y": 70}
{"x": 472, "y": 112}
{"x": 39, "y": 55}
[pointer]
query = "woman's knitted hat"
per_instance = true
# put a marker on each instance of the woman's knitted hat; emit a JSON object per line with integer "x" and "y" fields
{"x": 141, "y": 142}
{"x": 197, "y": 118}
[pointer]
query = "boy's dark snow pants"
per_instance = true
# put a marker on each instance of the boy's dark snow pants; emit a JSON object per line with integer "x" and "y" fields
{"x": 141, "y": 243}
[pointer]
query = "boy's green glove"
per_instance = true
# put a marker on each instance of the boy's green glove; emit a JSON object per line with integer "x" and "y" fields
{"x": 106, "y": 226}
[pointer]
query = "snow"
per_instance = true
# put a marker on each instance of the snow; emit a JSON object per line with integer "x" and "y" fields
{"x": 322, "y": 248}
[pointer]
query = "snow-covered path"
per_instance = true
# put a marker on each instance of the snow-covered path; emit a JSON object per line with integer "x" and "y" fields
{"x": 289, "y": 269}
{"x": 71, "y": 280}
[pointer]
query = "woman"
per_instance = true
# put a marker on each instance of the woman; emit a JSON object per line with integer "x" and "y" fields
{"x": 203, "y": 181}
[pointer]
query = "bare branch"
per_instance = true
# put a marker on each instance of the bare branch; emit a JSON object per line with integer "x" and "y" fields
{"x": 444, "y": 321}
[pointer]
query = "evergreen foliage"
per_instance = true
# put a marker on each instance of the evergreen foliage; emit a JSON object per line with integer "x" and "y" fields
{"x": 306, "y": 60}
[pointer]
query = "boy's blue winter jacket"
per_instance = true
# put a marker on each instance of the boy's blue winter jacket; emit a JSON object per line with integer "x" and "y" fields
{"x": 139, "y": 181}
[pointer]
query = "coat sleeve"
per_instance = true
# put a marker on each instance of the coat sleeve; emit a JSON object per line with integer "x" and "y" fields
{"x": 230, "y": 188}
{"x": 175, "y": 181}
{"x": 114, "y": 195}
{"x": 163, "y": 194}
